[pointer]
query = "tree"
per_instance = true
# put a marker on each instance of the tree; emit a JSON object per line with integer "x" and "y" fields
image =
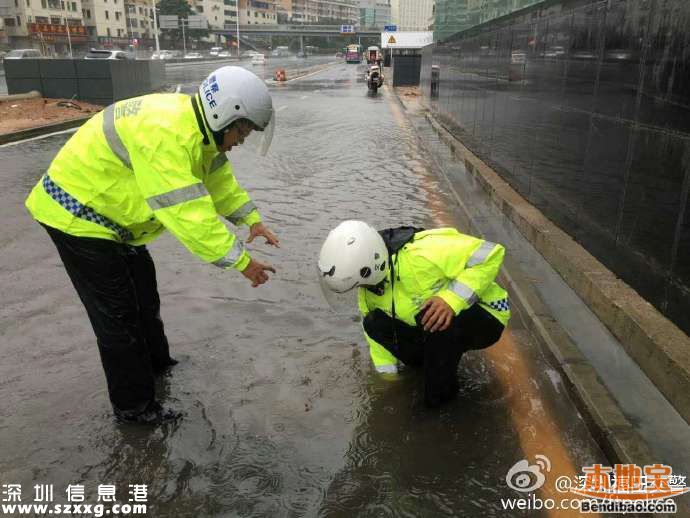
{"x": 181, "y": 9}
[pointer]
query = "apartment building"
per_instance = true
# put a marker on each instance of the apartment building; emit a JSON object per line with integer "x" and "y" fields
{"x": 412, "y": 15}
{"x": 319, "y": 11}
{"x": 212, "y": 10}
{"x": 139, "y": 21}
{"x": 253, "y": 12}
{"x": 106, "y": 22}
{"x": 43, "y": 24}
{"x": 230, "y": 13}
{"x": 374, "y": 13}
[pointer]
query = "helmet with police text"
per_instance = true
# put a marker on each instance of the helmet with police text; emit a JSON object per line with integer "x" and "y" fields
{"x": 232, "y": 93}
{"x": 354, "y": 254}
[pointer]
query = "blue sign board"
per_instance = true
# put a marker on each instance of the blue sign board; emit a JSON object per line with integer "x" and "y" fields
{"x": 347, "y": 29}
{"x": 390, "y": 28}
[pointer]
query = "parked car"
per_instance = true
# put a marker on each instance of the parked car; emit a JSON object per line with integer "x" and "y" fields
{"x": 224, "y": 54}
{"x": 258, "y": 59}
{"x": 193, "y": 55}
{"x": 215, "y": 51}
{"x": 301, "y": 54}
{"x": 106, "y": 54}
{"x": 247, "y": 54}
{"x": 166, "y": 54}
{"x": 23, "y": 54}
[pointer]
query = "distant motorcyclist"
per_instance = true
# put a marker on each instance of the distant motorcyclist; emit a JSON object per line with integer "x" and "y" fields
{"x": 374, "y": 77}
{"x": 427, "y": 296}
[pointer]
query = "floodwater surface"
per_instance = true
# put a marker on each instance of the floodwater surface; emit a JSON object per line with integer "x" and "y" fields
{"x": 285, "y": 416}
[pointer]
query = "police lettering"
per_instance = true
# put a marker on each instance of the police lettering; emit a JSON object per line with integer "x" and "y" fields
{"x": 127, "y": 109}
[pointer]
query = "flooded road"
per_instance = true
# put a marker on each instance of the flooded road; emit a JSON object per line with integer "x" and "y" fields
{"x": 285, "y": 416}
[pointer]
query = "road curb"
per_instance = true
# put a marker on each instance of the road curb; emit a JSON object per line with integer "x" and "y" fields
{"x": 38, "y": 131}
{"x": 658, "y": 346}
{"x": 614, "y": 433}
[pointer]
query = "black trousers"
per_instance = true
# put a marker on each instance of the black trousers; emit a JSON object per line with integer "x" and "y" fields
{"x": 437, "y": 353}
{"x": 117, "y": 285}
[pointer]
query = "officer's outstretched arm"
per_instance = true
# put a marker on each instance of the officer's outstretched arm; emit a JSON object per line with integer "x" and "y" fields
{"x": 229, "y": 198}
{"x": 472, "y": 264}
{"x": 182, "y": 203}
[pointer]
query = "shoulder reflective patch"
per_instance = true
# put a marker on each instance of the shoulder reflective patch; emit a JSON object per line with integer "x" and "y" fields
{"x": 240, "y": 213}
{"x": 113, "y": 139}
{"x": 232, "y": 256}
{"x": 464, "y": 292}
{"x": 218, "y": 162}
{"x": 480, "y": 254}
{"x": 189, "y": 193}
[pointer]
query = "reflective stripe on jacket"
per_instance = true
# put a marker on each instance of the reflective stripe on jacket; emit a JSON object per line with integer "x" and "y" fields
{"x": 145, "y": 165}
{"x": 443, "y": 262}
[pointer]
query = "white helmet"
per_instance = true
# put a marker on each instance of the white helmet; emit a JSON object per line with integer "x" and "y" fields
{"x": 354, "y": 254}
{"x": 232, "y": 93}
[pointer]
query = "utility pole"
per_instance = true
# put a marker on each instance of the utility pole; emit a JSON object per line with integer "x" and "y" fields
{"x": 184, "y": 43}
{"x": 155, "y": 26}
{"x": 69, "y": 38}
{"x": 237, "y": 35}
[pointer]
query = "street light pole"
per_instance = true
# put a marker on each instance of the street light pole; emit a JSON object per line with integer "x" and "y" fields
{"x": 184, "y": 42}
{"x": 69, "y": 38}
{"x": 155, "y": 26}
{"x": 238, "y": 28}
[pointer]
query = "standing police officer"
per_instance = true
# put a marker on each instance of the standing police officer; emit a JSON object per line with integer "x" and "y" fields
{"x": 427, "y": 296}
{"x": 140, "y": 167}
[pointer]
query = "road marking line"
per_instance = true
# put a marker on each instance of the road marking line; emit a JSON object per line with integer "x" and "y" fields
{"x": 39, "y": 137}
{"x": 281, "y": 108}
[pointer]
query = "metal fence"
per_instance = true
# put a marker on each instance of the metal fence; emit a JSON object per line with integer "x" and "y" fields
{"x": 584, "y": 108}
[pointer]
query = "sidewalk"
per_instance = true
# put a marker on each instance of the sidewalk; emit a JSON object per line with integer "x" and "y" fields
{"x": 627, "y": 412}
{"x": 24, "y": 118}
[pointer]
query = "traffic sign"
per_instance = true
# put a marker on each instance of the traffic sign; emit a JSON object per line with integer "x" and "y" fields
{"x": 172, "y": 21}
{"x": 197, "y": 22}
{"x": 390, "y": 28}
{"x": 347, "y": 29}
{"x": 168, "y": 21}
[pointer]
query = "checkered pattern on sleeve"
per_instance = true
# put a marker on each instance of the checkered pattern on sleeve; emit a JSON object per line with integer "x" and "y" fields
{"x": 78, "y": 209}
{"x": 500, "y": 305}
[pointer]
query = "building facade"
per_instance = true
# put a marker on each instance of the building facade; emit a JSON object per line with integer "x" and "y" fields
{"x": 254, "y": 12}
{"x": 374, "y": 13}
{"x": 48, "y": 25}
{"x": 411, "y": 15}
{"x": 319, "y": 11}
{"x": 454, "y": 16}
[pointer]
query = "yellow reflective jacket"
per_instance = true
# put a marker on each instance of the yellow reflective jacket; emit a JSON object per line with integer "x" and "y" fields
{"x": 442, "y": 262}
{"x": 139, "y": 167}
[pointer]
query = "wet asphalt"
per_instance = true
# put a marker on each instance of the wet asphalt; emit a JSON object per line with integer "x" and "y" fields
{"x": 285, "y": 416}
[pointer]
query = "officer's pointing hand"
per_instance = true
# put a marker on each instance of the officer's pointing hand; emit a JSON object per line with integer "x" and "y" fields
{"x": 258, "y": 229}
{"x": 437, "y": 315}
{"x": 256, "y": 272}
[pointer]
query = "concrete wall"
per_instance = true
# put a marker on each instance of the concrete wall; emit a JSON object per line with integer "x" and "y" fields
{"x": 96, "y": 81}
{"x": 584, "y": 108}
{"x": 406, "y": 70}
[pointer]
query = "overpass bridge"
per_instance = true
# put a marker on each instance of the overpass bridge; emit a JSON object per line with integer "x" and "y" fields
{"x": 294, "y": 30}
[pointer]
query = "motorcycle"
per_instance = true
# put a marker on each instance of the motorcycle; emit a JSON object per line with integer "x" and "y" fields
{"x": 374, "y": 79}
